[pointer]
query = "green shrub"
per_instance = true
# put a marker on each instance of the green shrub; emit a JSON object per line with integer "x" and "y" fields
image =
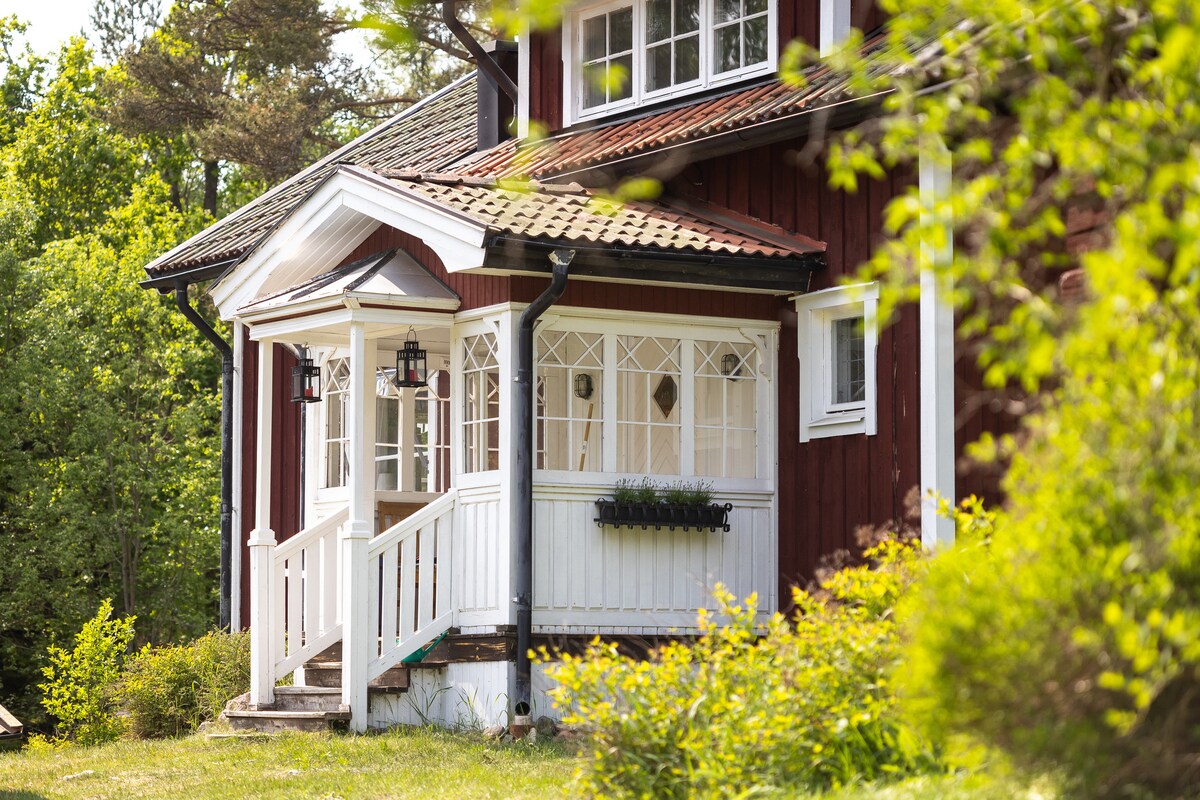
{"x": 1071, "y": 639}
{"x": 78, "y": 687}
{"x": 169, "y": 691}
{"x": 789, "y": 708}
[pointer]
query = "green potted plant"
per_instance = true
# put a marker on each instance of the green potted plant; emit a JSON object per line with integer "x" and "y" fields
{"x": 675, "y": 505}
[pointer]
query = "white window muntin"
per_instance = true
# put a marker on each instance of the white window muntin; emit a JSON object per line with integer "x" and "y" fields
{"x": 820, "y": 415}
{"x": 335, "y": 436}
{"x": 573, "y": 109}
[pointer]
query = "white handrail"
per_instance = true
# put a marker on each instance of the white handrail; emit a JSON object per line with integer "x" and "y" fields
{"x": 285, "y": 550}
{"x": 411, "y": 566}
{"x": 412, "y": 523}
{"x": 305, "y": 601}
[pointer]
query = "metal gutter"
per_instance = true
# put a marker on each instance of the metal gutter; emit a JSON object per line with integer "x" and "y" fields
{"x": 193, "y": 316}
{"x": 522, "y": 506}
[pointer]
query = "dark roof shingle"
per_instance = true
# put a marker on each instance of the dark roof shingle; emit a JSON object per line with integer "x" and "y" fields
{"x": 427, "y": 136}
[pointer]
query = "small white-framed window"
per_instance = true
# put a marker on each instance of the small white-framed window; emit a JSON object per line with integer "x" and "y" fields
{"x": 648, "y": 418}
{"x": 621, "y": 55}
{"x": 838, "y": 338}
{"x": 607, "y": 57}
{"x": 412, "y": 428}
{"x": 739, "y": 35}
{"x": 726, "y": 409}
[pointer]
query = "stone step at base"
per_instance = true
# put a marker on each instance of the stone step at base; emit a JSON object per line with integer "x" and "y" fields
{"x": 269, "y": 721}
{"x": 328, "y": 674}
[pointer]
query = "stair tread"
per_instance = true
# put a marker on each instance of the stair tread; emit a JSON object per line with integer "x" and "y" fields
{"x": 307, "y": 690}
{"x": 267, "y": 713}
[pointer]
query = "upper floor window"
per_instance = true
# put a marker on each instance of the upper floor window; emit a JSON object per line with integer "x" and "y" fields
{"x": 625, "y": 53}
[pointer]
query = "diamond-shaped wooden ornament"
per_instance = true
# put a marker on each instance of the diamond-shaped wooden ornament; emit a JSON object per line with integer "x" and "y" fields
{"x": 666, "y": 395}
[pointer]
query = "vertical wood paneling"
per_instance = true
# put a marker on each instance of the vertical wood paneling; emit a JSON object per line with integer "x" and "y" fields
{"x": 584, "y": 572}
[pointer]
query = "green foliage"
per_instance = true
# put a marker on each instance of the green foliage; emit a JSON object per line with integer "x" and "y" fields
{"x": 629, "y": 490}
{"x": 753, "y": 707}
{"x": 695, "y": 493}
{"x": 169, "y": 691}
{"x": 1067, "y": 633}
{"x": 78, "y": 687}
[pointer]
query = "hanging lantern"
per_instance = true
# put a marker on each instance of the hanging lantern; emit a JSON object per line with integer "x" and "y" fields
{"x": 410, "y": 364}
{"x": 306, "y": 379}
{"x": 583, "y": 386}
{"x": 731, "y": 365}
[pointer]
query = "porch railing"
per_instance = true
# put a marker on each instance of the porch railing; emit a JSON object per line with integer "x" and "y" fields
{"x": 305, "y": 612}
{"x": 409, "y": 594}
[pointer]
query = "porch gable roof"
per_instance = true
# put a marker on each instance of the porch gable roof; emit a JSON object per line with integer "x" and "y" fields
{"x": 389, "y": 278}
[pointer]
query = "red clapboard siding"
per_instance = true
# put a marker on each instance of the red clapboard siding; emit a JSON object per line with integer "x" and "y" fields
{"x": 546, "y": 78}
{"x": 286, "y": 498}
{"x": 828, "y": 487}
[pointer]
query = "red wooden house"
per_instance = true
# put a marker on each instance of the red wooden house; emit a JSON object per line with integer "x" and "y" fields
{"x": 570, "y": 343}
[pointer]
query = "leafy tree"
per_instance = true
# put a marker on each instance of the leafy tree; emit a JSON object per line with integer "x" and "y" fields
{"x": 1070, "y": 638}
{"x": 247, "y": 81}
{"x": 122, "y": 24}
{"x": 68, "y": 163}
{"x": 21, "y": 84}
{"x": 417, "y": 47}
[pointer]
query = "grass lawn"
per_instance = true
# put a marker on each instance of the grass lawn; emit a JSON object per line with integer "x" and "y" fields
{"x": 403, "y": 763}
{"x": 421, "y": 764}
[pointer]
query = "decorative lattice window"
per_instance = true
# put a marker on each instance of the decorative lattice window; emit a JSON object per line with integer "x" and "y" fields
{"x": 726, "y": 409}
{"x": 569, "y": 393}
{"x": 648, "y": 418}
{"x": 337, "y": 441}
{"x": 481, "y": 403}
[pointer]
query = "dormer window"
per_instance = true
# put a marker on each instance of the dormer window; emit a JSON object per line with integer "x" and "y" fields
{"x": 625, "y": 54}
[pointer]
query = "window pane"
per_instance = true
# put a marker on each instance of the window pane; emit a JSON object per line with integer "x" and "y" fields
{"x": 593, "y": 84}
{"x": 756, "y": 40}
{"x": 727, "y": 11}
{"x": 620, "y": 71}
{"x": 687, "y": 59}
{"x": 687, "y": 16}
{"x": 849, "y": 361}
{"x": 658, "y": 67}
{"x": 727, "y": 48}
{"x": 620, "y": 30}
{"x": 755, "y": 6}
{"x": 594, "y": 42}
{"x": 658, "y": 20}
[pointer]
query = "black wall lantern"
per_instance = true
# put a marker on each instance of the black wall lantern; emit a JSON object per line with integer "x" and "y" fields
{"x": 306, "y": 379}
{"x": 731, "y": 365}
{"x": 411, "y": 371}
{"x": 583, "y": 386}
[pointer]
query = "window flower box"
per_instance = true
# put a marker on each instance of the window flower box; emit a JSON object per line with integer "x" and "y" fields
{"x": 710, "y": 516}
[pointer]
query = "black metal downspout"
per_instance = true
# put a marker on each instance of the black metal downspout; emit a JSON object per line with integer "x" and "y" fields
{"x": 522, "y": 508}
{"x": 193, "y": 316}
{"x": 484, "y": 61}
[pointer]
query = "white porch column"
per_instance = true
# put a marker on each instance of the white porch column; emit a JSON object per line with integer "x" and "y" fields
{"x": 239, "y": 393}
{"x": 262, "y": 544}
{"x": 360, "y": 431}
{"x": 937, "y": 356}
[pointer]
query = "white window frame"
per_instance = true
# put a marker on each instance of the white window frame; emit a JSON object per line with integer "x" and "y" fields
{"x": 572, "y": 46}
{"x": 816, "y": 312}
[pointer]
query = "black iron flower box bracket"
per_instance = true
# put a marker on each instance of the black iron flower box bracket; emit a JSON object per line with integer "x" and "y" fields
{"x": 713, "y": 516}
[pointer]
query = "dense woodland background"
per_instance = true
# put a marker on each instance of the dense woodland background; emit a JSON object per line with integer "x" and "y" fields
{"x": 113, "y": 150}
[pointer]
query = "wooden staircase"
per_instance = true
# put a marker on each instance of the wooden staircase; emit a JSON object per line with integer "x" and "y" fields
{"x": 315, "y": 706}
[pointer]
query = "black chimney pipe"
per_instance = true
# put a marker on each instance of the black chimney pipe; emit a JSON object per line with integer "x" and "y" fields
{"x": 193, "y": 316}
{"x": 482, "y": 59}
{"x": 522, "y": 508}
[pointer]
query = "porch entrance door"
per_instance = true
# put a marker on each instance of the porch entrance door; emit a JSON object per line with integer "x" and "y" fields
{"x": 412, "y": 446}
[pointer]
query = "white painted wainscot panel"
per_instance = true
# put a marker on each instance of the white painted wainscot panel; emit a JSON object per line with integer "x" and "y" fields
{"x": 589, "y": 579}
{"x": 481, "y": 566}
